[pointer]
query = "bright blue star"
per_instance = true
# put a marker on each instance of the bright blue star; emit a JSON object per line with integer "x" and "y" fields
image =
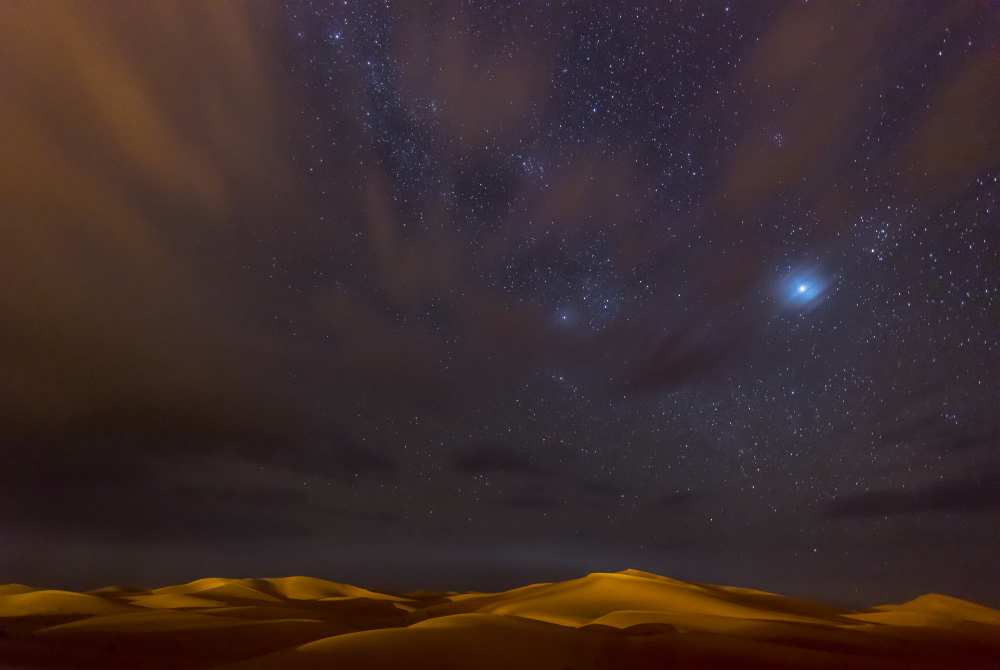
{"x": 803, "y": 288}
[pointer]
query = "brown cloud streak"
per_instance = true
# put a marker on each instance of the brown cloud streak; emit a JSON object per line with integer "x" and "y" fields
{"x": 126, "y": 138}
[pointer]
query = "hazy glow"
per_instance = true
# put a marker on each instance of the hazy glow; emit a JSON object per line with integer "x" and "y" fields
{"x": 803, "y": 287}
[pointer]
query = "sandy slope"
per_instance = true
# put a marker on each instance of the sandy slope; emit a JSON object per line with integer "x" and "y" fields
{"x": 931, "y": 610}
{"x": 628, "y": 619}
{"x": 580, "y": 601}
{"x": 14, "y": 589}
{"x": 56, "y": 603}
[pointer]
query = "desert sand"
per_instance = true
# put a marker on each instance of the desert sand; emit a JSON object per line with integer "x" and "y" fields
{"x": 626, "y": 619}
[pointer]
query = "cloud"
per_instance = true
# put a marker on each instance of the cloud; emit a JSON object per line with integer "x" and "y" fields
{"x": 531, "y": 501}
{"x": 113, "y": 181}
{"x": 494, "y": 458}
{"x": 935, "y": 432}
{"x": 149, "y": 474}
{"x": 830, "y": 69}
{"x": 126, "y": 495}
{"x": 970, "y": 494}
{"x": 603, "y": 488}
{"x": 681, "y": 357}
{"x": 485, "y": 91}
{"x": 958, "y": 137}
{"x": 916, "y": 419}
{"x": 814, "y": 58}
{"x": 129, "y": 344}
{"x": 680, "y": 499}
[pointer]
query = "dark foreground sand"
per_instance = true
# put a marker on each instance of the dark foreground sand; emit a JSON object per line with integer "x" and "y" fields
{"x": 625, "y": 620}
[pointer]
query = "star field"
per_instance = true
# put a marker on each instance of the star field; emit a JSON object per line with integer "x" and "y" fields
{"x": 523, "y": 290}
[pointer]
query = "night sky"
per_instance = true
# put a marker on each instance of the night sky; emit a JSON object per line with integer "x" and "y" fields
{"x": 469, "y": 294}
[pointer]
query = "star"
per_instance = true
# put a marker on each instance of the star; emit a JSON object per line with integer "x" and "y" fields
{"x": 803, "y": 287}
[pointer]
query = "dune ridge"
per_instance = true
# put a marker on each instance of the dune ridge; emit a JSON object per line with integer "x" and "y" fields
{"x": 627, "y": 619}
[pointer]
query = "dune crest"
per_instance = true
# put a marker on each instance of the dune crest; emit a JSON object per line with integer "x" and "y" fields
{"x": 627, "y": 619}
{"x": 14, "y": 589}
{"x": 53, "y": 602}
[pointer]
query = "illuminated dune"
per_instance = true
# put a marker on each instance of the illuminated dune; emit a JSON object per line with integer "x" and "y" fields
{"x": 14, "y": 589}
{"x": 172, "y": 601}
{"x": 219, "y": 589}
{"x": 55, "y": 603}
{"x": 310, "y": 588}
{"x": 143, "y": 622}
{"x": 168, "y": 639}
{"x": 628, "y": 619}
{"x": 268, "y": 612}
{"x": 580, "y": 601}
{"x": 271, "y": 588}
{"x": 446, "y": 642}
{"x": 931, "y": 609}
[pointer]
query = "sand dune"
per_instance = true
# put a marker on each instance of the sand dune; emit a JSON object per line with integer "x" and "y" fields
{"x": 14, "y": 589}
{"x": 271, "y": 588}
{"x": 310, "y": 588}
{"x": 55, "y": 603}
{"x": 445, "y": 642}
{"x": 943, "y": 608}
{"x": 143, "y": 622}
{"x": 628, "y": 619}
{"x": 581, "y": 601}
{"x": 216, "y": 588}
{"x": 173, "y": 601}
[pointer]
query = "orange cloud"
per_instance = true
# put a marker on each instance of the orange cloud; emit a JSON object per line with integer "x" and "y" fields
{"x": 131, "y": 129}
{"x": 959, "y": 135}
